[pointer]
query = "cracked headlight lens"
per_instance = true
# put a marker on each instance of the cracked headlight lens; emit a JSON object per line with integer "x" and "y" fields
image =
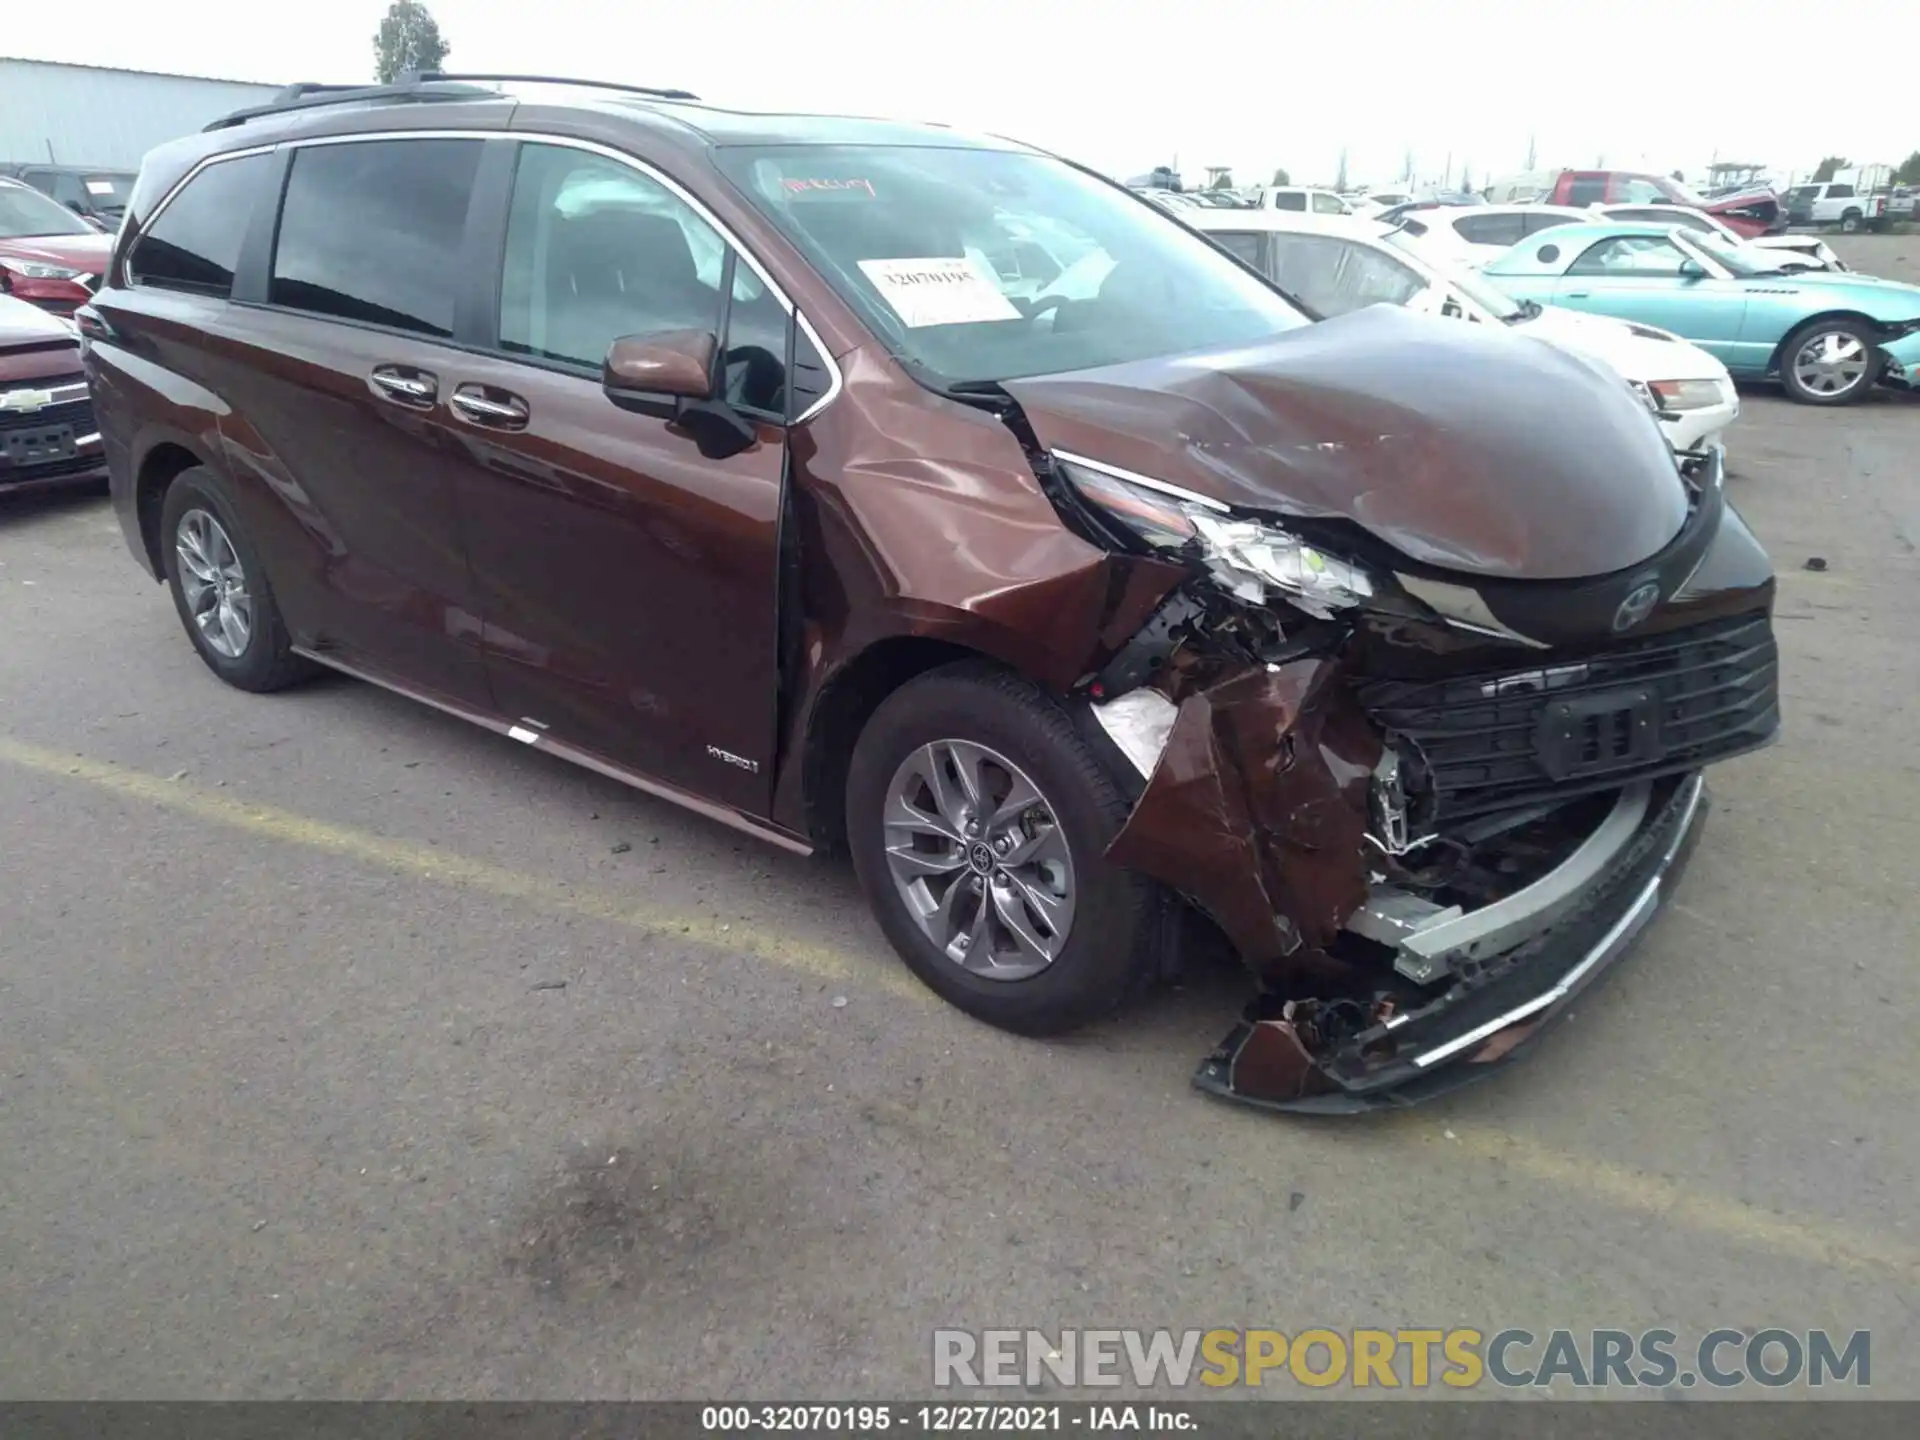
{"x": 1251, "y": 559}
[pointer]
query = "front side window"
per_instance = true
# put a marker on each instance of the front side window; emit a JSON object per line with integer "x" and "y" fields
{"x": 1840, "y": 192}
{"x": 26, "y": 213}
{"x": 194, "y": 243}
{"x": 905, "y": 234}
{"x": 1290, "y": 201}
{"x": 1582, "y": 192}
{"x": 1630, "y": 255}
{"x": 371, "y": 231}
{"x": 1536, "y": 223}
{"x": 1641, "y": 192}
{"x": 596, "y": 250}
{"x": 1337, "y": 276}
{"x": 1325, "y": 204}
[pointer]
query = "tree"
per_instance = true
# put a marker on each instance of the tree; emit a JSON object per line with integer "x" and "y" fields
{"x": 1826, "y": 169}
{"x": 1909, "y": 171}
{"x": 408, "y": 39}
{"x": 1280, "y": 177}
{"x": 1222, "y": 178}
{"x": 1678, "y": 178}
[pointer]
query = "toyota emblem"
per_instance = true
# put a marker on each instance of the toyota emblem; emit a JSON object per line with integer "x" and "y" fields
{"x": 1636, "y": 607}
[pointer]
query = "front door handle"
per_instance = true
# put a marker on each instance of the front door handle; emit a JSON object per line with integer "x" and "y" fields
{"x": 494, "y": 409}
{"x": 1574, "y": 295}
{"x": 405, "y": 384}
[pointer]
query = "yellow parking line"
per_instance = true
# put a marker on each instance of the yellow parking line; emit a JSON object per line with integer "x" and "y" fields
{"x": 1622, "y": 1187}
{"x": 1798, "y": 1237}
{"x": 438, "y": 865}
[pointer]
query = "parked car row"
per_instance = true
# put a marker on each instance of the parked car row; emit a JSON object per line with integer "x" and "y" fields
{"x": 871, "y": 486}
{"x": 1339, "y": 265}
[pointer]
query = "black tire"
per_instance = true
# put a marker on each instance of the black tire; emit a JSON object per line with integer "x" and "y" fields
{"x": 1850, "y": 222}
{"x": 1111, "y": 949}
{"x": 1830, "y": 325}
{"x": 267, "y": 661}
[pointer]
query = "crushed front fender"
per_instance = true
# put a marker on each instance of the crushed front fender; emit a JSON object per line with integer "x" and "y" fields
{"x": 1257, "y": 811}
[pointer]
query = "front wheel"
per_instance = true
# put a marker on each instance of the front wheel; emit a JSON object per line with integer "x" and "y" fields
{"x": 1829, "y": 362}
{"x": 979, "y": 821}
{"x": 1850, "y": 222}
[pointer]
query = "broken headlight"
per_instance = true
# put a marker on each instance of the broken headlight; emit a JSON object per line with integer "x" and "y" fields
{"x": 1251, "y": 559}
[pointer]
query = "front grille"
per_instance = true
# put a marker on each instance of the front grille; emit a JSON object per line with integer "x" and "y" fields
{"x": 77, "y": 413}
{"x": 1654, "y": 707}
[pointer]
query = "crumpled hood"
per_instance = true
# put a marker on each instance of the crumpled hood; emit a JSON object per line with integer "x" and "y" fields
{"x": 23, "y": 324}
{"x": 1458, "y": 445}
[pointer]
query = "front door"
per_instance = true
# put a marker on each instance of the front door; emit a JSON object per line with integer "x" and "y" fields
{"x": 629, "y": 581}
{"x": 1640, "y": 277}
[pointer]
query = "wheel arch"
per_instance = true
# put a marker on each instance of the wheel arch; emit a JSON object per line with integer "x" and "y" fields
{"x": 839, "y": 714}
{"x": 1857, "y": 316}
{"x": 163, "y": 462}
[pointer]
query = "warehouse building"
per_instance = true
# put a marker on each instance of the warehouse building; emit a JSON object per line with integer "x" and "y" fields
{"x": 88, "y": 115}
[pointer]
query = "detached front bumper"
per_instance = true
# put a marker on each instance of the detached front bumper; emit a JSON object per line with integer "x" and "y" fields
{"x": 1704, "y": 427}
{"x": 1903, "y": 361}
{"x": 1502, "y": 1003}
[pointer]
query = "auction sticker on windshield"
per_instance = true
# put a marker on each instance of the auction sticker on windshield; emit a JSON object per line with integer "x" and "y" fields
{"x": 939, "y": 291}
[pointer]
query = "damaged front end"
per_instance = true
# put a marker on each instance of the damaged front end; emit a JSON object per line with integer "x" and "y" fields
{"x": 1426, "y": 808}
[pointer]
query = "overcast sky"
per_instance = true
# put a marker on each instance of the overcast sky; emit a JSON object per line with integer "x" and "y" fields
{"x": 1249, "y": 83}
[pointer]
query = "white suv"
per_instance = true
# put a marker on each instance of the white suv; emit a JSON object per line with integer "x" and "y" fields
{"x": 1303, "y": 199}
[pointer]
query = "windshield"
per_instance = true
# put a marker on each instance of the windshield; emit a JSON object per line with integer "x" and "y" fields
{"x": 1468, "y": 281}
{"x": 978, "y": 266}
{"x": 1740, "y": 259}
{"x": 24, "y": 212}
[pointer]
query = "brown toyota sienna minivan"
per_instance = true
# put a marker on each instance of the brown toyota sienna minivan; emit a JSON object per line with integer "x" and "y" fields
{"x": 874, "y": 486}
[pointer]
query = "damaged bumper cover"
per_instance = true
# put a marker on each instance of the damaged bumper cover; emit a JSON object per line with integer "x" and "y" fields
{"x": 1284, "y": 1061}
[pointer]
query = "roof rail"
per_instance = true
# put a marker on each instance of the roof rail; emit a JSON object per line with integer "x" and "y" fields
{"x": 438, "y": 75}
{"x": 308, "y": 96}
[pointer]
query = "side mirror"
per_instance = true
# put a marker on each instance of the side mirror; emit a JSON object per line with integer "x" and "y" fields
{"x": 652, "y": 373}
{"x": 670, "y": 374}
{"x": 1692, "y": 270}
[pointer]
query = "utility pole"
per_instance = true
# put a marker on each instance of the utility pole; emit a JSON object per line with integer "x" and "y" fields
{"x": 1530, "y": 152}
{"x": 1408, "y": 176}
{"x": 1340, "y": 179}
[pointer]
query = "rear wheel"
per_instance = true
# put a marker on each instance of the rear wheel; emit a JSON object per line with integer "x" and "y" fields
{"x": 978, "y": 821}
{"x": 220, "y": 587}
{"x": 1829, "y": 362}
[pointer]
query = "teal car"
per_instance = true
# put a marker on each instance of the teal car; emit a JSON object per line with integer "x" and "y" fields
{"x": 1827, "y": 337}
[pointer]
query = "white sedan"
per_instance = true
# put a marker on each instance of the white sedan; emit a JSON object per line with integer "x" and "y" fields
{"x": 1335, "y": 264}
{"x": 1811, "y": 249}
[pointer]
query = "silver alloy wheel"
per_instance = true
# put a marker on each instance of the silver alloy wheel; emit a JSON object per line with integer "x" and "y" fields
{"x": 977, "y": 854}
{"x": 1831, "y": 362}
{"x": 215, "y": 584}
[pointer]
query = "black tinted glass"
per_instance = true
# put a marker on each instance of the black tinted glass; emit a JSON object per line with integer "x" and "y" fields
{"x": 195, "y": 243}
{"x": 1242, "y": 243}
{"x": 371, "y": 231}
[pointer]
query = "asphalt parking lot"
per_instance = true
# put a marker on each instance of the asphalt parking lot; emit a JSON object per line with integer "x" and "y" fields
{"x": 349, "y": 1051}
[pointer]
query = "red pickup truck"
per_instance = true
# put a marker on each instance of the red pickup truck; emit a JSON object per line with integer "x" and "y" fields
{"x": 1751, "y": 212}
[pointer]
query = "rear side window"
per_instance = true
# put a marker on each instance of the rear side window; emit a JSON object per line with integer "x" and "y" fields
{"x": 1243, "y": 243}
{"x": 370, "y": 231}
{"x": 1839, "y": 192}
{"x": 1582, "y": 191}
{"x": 1536, "y": 223}
{"x": 1295, "y": 201}
{"x": 1490, "y": 229}
{"x": 194, "y": 243}
{"x": 1335, "y": 276}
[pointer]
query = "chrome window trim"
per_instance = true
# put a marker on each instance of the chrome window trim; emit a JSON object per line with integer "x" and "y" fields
{"x": 835, "y": 382}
